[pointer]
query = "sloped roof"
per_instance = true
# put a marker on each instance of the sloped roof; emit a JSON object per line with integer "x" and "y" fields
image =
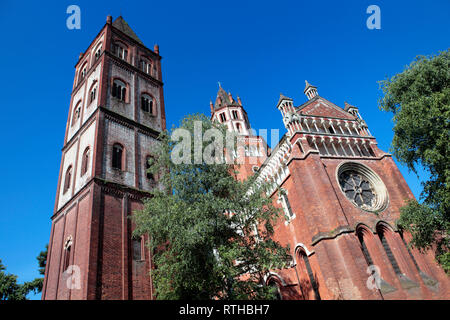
{"x": 283, "y": 97}
{"x": 319, "y": 106}
{"x": 123, "y": 26}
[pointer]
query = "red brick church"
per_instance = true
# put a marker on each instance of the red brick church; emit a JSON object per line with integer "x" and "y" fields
{"x": 340, "y": 193}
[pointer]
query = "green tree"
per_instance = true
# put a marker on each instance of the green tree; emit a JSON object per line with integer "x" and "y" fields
{"x": 10, "y": 289}
{"x": 419, "y": 98}
{"x": 202, "y": 223}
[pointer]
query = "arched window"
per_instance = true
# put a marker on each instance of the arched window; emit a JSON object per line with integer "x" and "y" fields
{"x": 85, "y": 161}
{"x": 83, "y": 71}
{"x": 361, "y": 233}
{"x": 67, "y": 179}
{"x": 146, "y": 65}
{"x": 119, "y": 90}
{"x": 238, "y": 127}
{"x": 120, "y": 51}
{"x": 117, "y": 155}
{"x": 76, "y": 113}
{"x": 98, "y": 52}
{"x": 308, "y": 281}
{"x": 276, "y": 288}
{"x": 147, "y": 103}
{"x": 93, "y": 92}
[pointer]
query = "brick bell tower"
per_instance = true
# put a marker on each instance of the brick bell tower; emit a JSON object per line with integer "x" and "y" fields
{"x": 251, "y": 149}
{"x": 115, "y": 116}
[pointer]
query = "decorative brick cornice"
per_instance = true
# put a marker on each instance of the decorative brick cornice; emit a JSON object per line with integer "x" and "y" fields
{"x": 129, "y": 122}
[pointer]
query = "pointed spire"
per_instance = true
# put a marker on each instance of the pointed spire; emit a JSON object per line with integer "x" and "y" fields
{"x": 349, "y": 106}
{"x": 283, "y": 98}
{"x": 310, "y": 90}
{"x": 123, "y": 26}
{"x": 211, "y": 106}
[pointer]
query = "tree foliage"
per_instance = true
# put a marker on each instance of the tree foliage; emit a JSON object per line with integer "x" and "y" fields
{"x": 419, "y": 98}
{"x": 10, "y": 289}
{"x": 210, "y": 237}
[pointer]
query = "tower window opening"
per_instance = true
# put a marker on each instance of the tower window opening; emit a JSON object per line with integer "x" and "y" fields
{"x": 76, "y": 113}
{"x": 67, "y": 179}
{"x": 148, "y": 174}
{"x": 98, "y": 53}
{"x": 235, "y": 114}
{"x": 137, "y": 249}
{"x": 146, "y": 66}
{"x": 119, "y": 90}
{"x": 67, "y": 257}
{"x": 223, "y": 117}
{"x": 147, "y": 103}
{"x": 117, "y": 157}
{"x": 82, "y": 74}
{"x": 93, "y": 94}
{"x": 120, "y": 52}
{"x": 85, "y": 162}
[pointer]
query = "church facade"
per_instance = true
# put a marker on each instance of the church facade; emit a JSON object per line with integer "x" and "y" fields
{"x": 339, "y": 192}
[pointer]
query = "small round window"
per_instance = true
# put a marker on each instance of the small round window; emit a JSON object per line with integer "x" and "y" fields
{"x": 362, "y": 186}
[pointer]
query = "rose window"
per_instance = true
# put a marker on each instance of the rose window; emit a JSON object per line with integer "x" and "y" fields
{"x": 362, "y": 186}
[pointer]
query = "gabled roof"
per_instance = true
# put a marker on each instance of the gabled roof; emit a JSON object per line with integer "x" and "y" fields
{"x": 319, "y": 106}
{"x": 123, "y": 26}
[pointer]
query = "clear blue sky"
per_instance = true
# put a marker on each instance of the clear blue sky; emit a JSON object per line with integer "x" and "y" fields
{"x": 256, "y": 49}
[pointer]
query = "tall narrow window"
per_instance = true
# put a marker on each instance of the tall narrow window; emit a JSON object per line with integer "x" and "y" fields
{"x": 238, "y": 127}
{"x": 82, "y": 74}
{"x": 119, "y": 90}
{"x": 76, "y": 113}
{"x": 223, "y": 118}
{"x": 285, "y": 204}
{"x": 93, "y": 94}
{"x": 389, "y": 252}
{"x": 66, "y": 254}
{"x": 85, "y": 162}
{"x": 148, "y": 174}
{"x": 117, "y": 157}
{"x": 67, "y": 179}
{"x": 98, "y": 53}
{"x": 312, "y": 281}
{"x": 234, "y": 114}
{"x": 137, "y": 249}
{"x": 147, "y": 103}
{"x": 364, "y": 249}
{"x": 66, "y": 258}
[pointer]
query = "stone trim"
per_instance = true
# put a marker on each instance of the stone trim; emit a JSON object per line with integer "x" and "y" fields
{"x": 331, "y": 234}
